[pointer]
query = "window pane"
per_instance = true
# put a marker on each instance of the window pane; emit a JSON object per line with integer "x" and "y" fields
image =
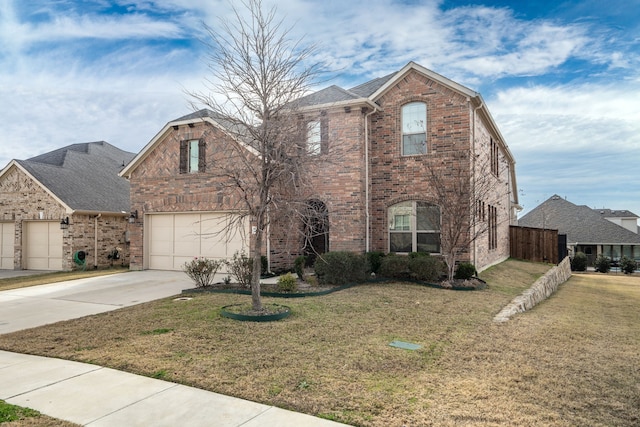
{"x": 428, "y": 216}
{"x": 193, "y": 156}
{"x": 313, "y": 137}
{"x": 414, "y": 144}
{"x": 429, "y": 242}
{"x": 414, "y": 118}
{"x": 400, "y": 216}
{"x": 400, "y": 242}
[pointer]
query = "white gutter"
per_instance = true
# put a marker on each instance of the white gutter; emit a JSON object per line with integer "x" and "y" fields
{"x": 367, "y": 238}
{"x": 473, "y": 177}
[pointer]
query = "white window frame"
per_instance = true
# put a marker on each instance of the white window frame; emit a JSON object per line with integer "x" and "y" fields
{"x": 414, "y": 124}
{"x": 314, "y": 137}
{"x": 410, "y": 208}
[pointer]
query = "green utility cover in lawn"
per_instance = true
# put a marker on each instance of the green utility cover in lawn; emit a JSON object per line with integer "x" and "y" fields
{"x": 405, "y": 345}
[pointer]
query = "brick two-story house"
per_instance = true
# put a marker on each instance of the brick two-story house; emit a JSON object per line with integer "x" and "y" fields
{"x": 385, "y": 140}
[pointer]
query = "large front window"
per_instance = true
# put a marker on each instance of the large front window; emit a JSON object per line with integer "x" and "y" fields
{"x": 414, "y": 129}
{"x": 414, "y": 226}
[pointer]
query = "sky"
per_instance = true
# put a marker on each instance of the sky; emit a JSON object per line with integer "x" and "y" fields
{"x": 560, "y": 78}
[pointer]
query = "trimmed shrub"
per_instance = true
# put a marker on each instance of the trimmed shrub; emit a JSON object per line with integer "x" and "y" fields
{"x": 375, "y": 260}
{"x": 579, "y": 262}
{"x": 202, "y": 271}
{"x": 241, "y": 267}
{"x": 465, "y": 271}
{"x": 340, "y": 268}
{"x": 417, "y": 266}
{"x": 287, "y": 283}
{"x": 298, "y": 266}
{"x": 425, "y": 268}
{"x": 395, "y": 267}
{"x": 264, "y": 265}
{"x": 628, "y": 265}
{"x": 602, "y": 264}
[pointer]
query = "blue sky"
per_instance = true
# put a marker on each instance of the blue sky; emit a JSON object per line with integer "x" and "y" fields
{"x": 561, "y": 78}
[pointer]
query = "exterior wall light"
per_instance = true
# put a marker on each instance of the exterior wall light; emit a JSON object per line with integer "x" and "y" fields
{"x": 133, "y": 216}
{"x": 64, "y": 223}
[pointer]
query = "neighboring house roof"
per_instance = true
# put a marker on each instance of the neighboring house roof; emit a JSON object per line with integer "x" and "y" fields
{"x": 608, "y": 213}
{"x": 84, "y": 177}
{"x": 581, "y": 224}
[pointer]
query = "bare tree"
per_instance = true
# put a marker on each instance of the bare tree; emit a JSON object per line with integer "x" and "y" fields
{"x": 467, "y": 202}
{"x": 257, "y": 74}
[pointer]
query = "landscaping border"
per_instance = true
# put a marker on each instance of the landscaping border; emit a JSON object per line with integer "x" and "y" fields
{"x": 538, "y": 292}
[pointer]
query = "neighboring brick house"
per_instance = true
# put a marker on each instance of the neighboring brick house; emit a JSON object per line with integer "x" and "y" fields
{"x": 59, "y": 203}
{"x": 376, "y": 193}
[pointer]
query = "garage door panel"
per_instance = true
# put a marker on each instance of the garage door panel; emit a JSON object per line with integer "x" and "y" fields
{"x": 181, "y": 237}
{"x": 43, "y": 245}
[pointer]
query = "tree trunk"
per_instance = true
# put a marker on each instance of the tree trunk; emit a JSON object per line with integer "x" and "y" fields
{"x": 256, "y": 301}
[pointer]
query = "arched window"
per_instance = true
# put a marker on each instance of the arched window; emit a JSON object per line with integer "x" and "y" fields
{"x": 414, "y": 226}
{"x": 414, "y": 128}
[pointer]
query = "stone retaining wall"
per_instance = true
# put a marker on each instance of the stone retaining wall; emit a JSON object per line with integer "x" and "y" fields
{"x": 539, "y": 291}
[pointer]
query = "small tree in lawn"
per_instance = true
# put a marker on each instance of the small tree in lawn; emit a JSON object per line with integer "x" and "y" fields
{"x": 461, "y": 194}
{"x": 256, "y": 75}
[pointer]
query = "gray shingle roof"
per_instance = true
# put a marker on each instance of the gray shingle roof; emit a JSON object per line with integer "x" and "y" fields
{"x": 581, "y": 224}
{"x": 84, "y": 176}
{"x": 367, "y": 89}
{"x": 328, "y": 95}
{"x": 608, "y": 213}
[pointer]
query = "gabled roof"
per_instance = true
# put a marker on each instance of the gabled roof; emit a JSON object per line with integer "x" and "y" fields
{"x": 581, "y": 224}
{"x": 234, "y": 130}
{"x": 83, "y": 177}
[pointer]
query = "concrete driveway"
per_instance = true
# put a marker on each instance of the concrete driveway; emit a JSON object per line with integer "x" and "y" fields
{"x": 39, "y": 305}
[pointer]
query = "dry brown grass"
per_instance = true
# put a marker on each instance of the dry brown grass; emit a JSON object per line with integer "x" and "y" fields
{"x": 571, "y": 361}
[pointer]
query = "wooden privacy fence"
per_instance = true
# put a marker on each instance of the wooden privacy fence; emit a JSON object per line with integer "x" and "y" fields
{"x": 534, "y": 244}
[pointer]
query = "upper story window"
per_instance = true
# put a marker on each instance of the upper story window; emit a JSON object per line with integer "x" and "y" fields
{"x": 314, "y": 137}
{"x": 414, "y": 128}
{"x": 317, "y": 137}
{"x": 192, "y": 156}
{"x": 495, "y": 164}
{"x": 414, "y": 226}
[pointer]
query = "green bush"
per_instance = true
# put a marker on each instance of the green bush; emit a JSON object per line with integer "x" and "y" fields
{"x": 602, "y": 264}
{"x": 417, "y": 265}
{"x": 579, "y": 262}
{"x": 264, "y": 265}
{"x": 628, "y": 265}
{"x": 287, "y": 283}
{"x": 241, "y": 267}
{"x": 425, "y": 268}
{"x": 395, "y": 267}
{"x": 202, "y": 270}
{"x": 298, "y": 266}
{"x": 375, "y": 260}
{"x": 340, "y": 268}
{"x": 465, "y": 270}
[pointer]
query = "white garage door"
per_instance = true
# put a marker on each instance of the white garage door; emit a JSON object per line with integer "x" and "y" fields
{"x": 43, "y": 249}
{"x": 173, "y": 239}
{"x": 7, "y": 237}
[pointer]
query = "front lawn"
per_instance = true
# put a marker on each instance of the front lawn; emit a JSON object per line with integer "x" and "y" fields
{"x": 571, "y": 361}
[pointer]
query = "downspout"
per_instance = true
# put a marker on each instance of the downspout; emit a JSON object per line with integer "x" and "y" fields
{"x": 367, "y": 238}
{"x": 95, "y": 237}
{"x": 473, "y": 176}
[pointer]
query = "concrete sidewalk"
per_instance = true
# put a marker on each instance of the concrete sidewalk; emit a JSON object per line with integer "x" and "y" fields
{"x": 91, "y": 395}
{"x": 96, "y": 396}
